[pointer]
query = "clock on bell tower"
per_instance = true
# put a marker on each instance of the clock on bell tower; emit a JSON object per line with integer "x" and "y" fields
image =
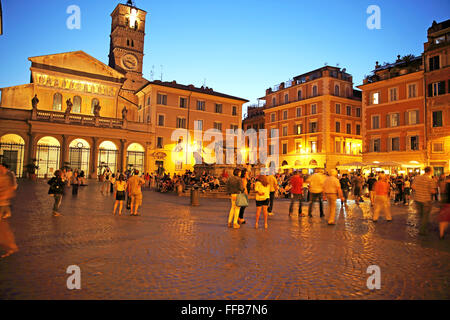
{"x": 126, "y": 51}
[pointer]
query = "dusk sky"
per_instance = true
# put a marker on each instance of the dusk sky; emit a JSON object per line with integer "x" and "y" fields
{"x": 240, "y": 47}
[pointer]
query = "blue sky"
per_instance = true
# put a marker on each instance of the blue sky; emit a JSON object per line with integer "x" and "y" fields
{"x": 240, "y": 47}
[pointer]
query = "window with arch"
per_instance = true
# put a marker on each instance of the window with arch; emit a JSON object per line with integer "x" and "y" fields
{"x": 57, "y": 101}
{"x": 336, "y": 90}
{"x": 93, "y": 104}
{"x": 132, "y": 43}
{"x": 128, "y": 42}
{"x": 76, "y": 104}
{"x": 314, "y": 91}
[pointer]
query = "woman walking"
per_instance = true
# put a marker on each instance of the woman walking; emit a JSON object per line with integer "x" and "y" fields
{"x": 76, "y": 181}
{"x": 245, "y": 184}
{"x": 120, "y": 187}
{"x": 234, "y": 187}
{"x": 262, "y": 189}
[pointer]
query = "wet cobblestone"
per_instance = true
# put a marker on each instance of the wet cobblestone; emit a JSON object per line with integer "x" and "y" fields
{"x": 174, "y": 251}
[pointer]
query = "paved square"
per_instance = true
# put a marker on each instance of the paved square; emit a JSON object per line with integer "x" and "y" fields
{"x": 174, "y": 251}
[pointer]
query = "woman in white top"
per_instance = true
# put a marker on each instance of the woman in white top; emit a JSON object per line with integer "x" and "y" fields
{"x": 262, "y": 189}
{"x": 120, "y": 187}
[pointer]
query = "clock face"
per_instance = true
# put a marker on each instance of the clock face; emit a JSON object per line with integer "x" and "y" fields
{"x": 129, "y": 62}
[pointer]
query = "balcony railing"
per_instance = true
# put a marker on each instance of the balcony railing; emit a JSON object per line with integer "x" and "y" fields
{"x": 73, "y": 119}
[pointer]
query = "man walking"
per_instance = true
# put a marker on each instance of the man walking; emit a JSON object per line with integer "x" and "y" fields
{"x": 296, "y": 183}
{"x": 424, "y": 188}
{"x": 382, "y": 199}
{"x": 134, "y": 186}
{"x": 316, "y": 188}
{"x": 332, "y": 190}
{"x": 345, "y": 187}
{"x": 371, "y": 182}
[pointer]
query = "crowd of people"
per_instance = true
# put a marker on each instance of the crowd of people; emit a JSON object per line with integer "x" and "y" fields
{"x": 379, "y": 189}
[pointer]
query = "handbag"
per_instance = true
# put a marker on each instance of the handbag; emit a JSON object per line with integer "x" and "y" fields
{"x": 242, "y": 200}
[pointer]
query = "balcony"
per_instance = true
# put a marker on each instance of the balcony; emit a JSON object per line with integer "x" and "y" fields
{"x": 73, "y": 119}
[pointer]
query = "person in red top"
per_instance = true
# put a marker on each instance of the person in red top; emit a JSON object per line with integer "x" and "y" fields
{"x": 296, "y": 183}
{"x": 382, "y": 199}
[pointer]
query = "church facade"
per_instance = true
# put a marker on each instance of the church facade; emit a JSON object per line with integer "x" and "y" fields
{"x": 79, "y": 112}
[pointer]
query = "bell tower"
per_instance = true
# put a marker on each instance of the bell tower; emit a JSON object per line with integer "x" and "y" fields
{"x": 126, "y": 51}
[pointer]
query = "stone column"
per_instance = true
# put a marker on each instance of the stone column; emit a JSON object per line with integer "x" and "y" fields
{"x": 31, "y": 148}
{"x": 94, "y": 158}
{"x": 64, "y": 151}
{"x": 122, "y": 155}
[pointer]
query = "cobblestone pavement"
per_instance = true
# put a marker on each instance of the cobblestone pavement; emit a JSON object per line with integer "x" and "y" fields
{"x": 174, "y": 251}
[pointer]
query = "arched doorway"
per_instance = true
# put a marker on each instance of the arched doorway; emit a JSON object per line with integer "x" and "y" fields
{"x": 47, "y": 156}
{"x": 79, "y": 153}
{"x": 11, "y": 152}
{"x": 107, "y": 156}
{"x": 135, "y": 157}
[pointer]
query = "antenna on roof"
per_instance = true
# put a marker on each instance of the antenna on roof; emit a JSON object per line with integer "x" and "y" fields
{"x": 152, "y": 73}
{"x": 325, "y": 64}
{"x": 204, "y": 82}
{"x": 337, "y": 64}
{"x": 161, "y": 72}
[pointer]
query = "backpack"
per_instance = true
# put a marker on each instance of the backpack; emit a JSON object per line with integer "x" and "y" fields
{"x": 55, "y": 187}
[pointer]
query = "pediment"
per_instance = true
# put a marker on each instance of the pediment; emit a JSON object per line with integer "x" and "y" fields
{"x": 78, "y": 61}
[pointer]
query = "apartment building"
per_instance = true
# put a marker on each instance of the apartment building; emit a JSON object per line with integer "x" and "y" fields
{"x": 318, "y": 117}
{"x": 436, "y": 59}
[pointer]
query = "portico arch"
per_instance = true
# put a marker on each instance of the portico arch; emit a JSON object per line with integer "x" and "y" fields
{"x": 47, "y": 156}
{"x": 107, "y": 156}
{"x": 12, "y": 148}
{"x": 79, "y": 155}
{"x": 135, "y": 157}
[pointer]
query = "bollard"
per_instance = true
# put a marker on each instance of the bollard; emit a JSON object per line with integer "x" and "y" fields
{"x": 194, "y": 196}
{"x": 180, "y": 190}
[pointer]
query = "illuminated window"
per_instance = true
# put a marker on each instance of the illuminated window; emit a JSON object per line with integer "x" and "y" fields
{"x": 93, "y": 104}
{"x": 375, "y": 98}
{"x": 57, "y": 101}
{"x": 76, "y": 104}
{"x": 198, "y": 125}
